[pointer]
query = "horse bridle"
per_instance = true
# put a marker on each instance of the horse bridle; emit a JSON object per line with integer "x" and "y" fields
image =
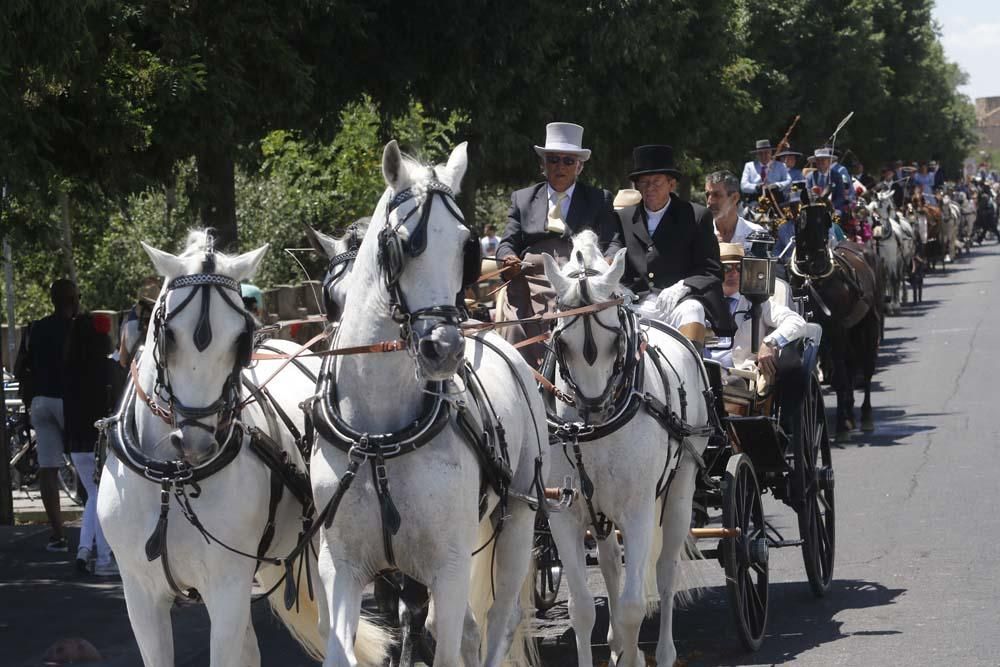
{"x": 393, "y": 250}
{"x": 337, "y": 267}
{"x": 625, "y": 341}
{"x": 226, "y": 405}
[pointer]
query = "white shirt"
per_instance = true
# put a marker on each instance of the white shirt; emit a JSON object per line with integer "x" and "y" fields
{"x": 742, "y": 231}
{"x": 778, "y": 324}
{"x": 777, "y": 174}
{"x": 489, "y": 244}
{"x": 653, "y": 217}
{"x": 565, "y": 202}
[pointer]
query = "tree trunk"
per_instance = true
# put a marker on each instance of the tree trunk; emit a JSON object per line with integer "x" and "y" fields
{"x": 67, "y": 239}
{"x": 217, "y": 196}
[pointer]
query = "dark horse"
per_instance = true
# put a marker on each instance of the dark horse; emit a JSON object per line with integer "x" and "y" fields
{"x": 844, "y": 290}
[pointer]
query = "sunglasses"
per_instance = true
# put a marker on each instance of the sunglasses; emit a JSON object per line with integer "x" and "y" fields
{"x": 567, "y": 160}
{"x": 732, "y": 268}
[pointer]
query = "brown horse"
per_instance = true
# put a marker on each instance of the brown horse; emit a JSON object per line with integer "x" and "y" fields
{"x": 845, "y": 294}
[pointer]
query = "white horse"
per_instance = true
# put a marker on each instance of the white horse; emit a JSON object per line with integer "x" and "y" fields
{"x": 600, "y": 361}
{"x": 418, "y": 512}
{"x": 888, "y": 236}
{"x": 951, "y": 217}
{"x": 180, "y": 418}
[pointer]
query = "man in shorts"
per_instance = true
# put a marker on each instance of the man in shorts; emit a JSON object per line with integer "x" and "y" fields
{"x": 42, "y": 368}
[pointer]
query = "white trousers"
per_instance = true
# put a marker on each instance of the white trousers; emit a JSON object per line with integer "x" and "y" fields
{"x": 90, "y": 528}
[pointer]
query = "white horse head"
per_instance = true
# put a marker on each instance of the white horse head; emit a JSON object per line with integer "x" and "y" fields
{"x": 201, "y": 337}
{"x": 341, "y": 253}
{"x": 589, "y": 347}
{"x": 409, "y": 266}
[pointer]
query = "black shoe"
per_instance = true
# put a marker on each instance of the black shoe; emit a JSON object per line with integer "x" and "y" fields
{"x": 82, "y": 567}
{"x": 57, "y": 544}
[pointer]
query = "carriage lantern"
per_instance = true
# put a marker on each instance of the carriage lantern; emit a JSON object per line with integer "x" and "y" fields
{"x": 758, "y": 274}
{"x": 757, "y": 277}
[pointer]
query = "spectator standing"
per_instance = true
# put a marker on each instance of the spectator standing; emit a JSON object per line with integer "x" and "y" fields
{"x": 89, "y": 395}
{"x": 490, "y": 241}
{"x": 40, "y": 370}
{"x": 133, "y": 330}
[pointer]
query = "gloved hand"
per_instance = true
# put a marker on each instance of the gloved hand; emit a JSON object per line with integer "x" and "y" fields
{"x": 668, "y": 298}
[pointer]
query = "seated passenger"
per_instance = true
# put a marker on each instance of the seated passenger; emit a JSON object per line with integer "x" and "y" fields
{"x": 779, "y": 325}
{"x": 673, "y": 255}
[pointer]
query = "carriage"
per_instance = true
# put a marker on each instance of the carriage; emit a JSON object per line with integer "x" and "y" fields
{"x": 769, "y": 439}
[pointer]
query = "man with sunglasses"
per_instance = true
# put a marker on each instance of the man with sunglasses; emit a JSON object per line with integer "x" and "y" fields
{"x": 542, "y": 219}
{"x": 779, "y": 325}
{"x": 673, "y": 255}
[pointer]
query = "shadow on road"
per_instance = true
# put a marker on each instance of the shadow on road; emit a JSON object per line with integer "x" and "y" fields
{"x": 705, "y": 633}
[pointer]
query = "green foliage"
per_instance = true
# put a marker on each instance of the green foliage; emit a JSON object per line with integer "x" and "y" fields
{"x": 118, "y": 102}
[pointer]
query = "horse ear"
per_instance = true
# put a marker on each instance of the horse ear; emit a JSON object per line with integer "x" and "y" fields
{"x": 320, "y": 242}
{"x": 167, "y": 265}
{"x": 245, "y": 266}
{"x": 555, "y": 276}
{"x": 392, "y": 164}
{"x": 458, "y": 162}
{"x": 617, "y": 270}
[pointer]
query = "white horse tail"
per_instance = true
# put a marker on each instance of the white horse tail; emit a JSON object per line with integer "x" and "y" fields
{"x": 523, "y": 648}
{"x": 302, "y": 620}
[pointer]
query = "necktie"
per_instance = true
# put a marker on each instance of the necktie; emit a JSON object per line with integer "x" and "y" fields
{"x": 733, "y": 301}
{"x": 555, "y": 223}
{"x": 763, "y": 173}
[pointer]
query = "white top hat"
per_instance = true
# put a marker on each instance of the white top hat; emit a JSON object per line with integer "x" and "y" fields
{"x": 564, "y": 138}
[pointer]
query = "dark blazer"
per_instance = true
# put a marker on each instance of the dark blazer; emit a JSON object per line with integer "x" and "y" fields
{"x": 683, "y": 247}
{"x": 589, "y": 208}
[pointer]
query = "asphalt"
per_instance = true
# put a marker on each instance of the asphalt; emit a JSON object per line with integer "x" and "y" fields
{"x": 917, "y": 576}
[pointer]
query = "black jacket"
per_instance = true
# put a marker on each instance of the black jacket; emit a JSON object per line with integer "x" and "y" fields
{"x": 589, "y": 208}
{"x": 683, "y": 247}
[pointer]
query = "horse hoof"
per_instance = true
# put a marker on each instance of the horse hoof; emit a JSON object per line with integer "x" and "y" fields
{"x": 842, "y": 436}
{"x": 849, "y": 425}
{"x": 867, "y": 425}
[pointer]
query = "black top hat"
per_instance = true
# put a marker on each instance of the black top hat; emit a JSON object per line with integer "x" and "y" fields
{"x": 653, "y": 159}
{"x": 763, "y": 145}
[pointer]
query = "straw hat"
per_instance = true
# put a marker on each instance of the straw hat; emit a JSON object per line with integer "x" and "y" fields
{"x": 731, "y": 253}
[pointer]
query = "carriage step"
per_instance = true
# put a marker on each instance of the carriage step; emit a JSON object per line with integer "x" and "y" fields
{"x": 780, "y": 544}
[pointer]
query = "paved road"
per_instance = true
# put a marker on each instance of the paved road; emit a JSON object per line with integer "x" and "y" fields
{"x": 918, "y": 559}
{"x": 917, "y": 580}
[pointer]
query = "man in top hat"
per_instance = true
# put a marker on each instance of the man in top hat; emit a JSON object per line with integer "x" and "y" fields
{"x": 763, "y": 170}
{"x": 779, "y": 325}
{"x": 829, "y": 181}
{"x": 673, "y": 257}
{"x": 542, "y": 218}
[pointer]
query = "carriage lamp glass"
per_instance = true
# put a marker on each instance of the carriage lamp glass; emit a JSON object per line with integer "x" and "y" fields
{"x": 757, "y": 277}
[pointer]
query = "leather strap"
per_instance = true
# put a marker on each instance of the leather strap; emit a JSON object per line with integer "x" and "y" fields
{"x": 546, "y": 317}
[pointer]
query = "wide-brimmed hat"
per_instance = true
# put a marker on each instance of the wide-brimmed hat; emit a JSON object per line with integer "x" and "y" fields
{"x": 731, "y": 253}
{"x": 564, "y": 138}
{"x": 763, "y": 145}
{"x": 823, "y": 152}
{"x": 653, "y": 159}
{"x": 626, "y": 197}
{"x": 788, "y": 151}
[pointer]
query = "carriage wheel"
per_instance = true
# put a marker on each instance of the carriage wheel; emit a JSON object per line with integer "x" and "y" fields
{"x": 816, "y": 513}
{"x": 548, "y": 575}
{"x": 745, "y": 558}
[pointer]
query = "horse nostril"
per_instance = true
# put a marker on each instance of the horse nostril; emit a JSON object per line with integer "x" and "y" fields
{"x": 430, "y": 350}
